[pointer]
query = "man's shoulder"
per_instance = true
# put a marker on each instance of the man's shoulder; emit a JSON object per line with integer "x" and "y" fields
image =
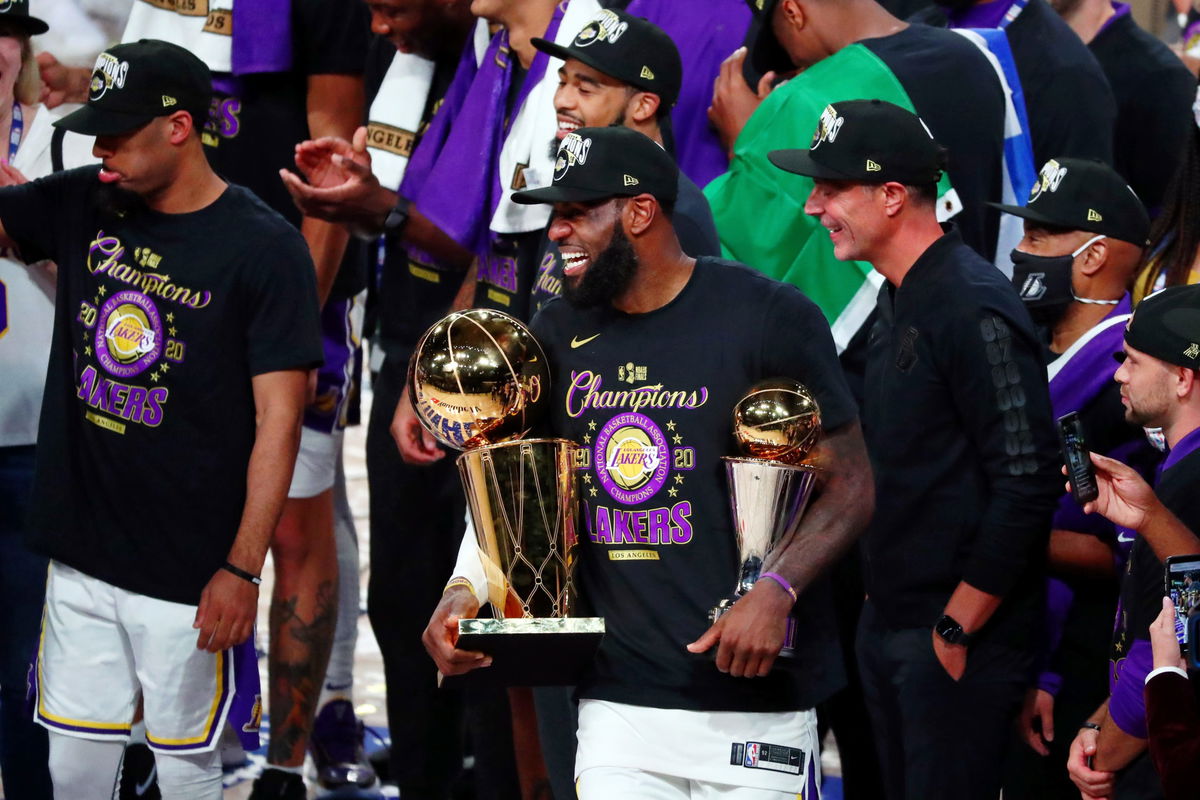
{"x": 1177, "y": 489}
{"x": 1128, "y": 53}
{"x": 258, "y": 219}
{"x": 1040, "y": 39}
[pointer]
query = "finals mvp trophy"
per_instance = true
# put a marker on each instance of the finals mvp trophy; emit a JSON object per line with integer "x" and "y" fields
{"x": 479, "y": 381}
{"x": 776, "y": 425}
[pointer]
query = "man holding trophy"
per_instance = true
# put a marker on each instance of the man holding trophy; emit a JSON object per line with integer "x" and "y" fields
{"x": 649, "y": 354}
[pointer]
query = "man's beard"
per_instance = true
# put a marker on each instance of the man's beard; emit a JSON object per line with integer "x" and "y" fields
{"x": 607, "y": 277}
{"x": 114, "y": 202}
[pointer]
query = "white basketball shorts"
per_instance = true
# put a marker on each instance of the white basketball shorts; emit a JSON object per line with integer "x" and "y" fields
{"x": 640, "y": 752}
{"x": 101, "y": 647}
{"x": 316, "y": 463}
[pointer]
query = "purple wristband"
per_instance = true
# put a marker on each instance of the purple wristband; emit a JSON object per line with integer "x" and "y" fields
{"x": 782, "y": 581}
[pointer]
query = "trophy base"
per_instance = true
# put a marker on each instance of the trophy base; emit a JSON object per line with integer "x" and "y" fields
{"x": 530, "y": 652}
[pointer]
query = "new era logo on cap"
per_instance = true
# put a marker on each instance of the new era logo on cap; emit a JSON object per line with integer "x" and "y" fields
{"x": 873, "y": 167}
{"x": 1094, "y": 216}
{"x": 1192, "y": 351}
{"x": 168, "y": 101}
{"x": 631, "y": 181}
{"x": 647, "y": 73}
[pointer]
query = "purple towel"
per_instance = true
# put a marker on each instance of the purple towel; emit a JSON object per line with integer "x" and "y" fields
{"x": 453, "y": 177}
{"x": 262, "y": 36}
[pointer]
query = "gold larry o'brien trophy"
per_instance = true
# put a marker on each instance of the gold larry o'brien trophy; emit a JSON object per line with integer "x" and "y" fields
{"x": 776, "y": 426}
{"x": 479, "y": 381}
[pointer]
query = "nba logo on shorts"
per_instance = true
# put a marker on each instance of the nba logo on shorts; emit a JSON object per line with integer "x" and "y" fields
{"x": 752, "y": 754}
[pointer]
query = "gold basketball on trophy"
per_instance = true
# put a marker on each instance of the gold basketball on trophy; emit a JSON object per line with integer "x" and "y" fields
{"x": 777, "y": 420}
{"x": 478, "y": 377}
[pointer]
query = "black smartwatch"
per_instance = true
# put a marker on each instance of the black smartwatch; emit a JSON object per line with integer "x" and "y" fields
{"x": 397, "y": 218}
{"x": 951, "y": 632}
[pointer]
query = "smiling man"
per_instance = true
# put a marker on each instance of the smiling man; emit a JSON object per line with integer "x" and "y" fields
{"x": 960, "y": 435}
{"x": 704, "y": 331}
{"x": 186, "y": 322}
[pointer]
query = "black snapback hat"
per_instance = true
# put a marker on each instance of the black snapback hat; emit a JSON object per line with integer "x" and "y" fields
{"x": 599, "y": 163}
{"x": 627, "y": 48}
{"x": 136, "y": 82}
{"x": 867, "y": 141}
{"x": 1084, "y": 195}
{"x": 16, "y": 12}
{"x": 766, "y": 53}
{"x": 1166, "y": 326}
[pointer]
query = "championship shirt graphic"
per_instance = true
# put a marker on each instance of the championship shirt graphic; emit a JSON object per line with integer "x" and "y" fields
{"x": 129, "y": 336}
{"x": 631, "y": 458}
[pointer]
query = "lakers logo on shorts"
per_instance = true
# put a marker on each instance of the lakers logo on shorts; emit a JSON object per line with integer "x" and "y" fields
{"x": 631, "y": 458}
{"x": 129, "y": 336}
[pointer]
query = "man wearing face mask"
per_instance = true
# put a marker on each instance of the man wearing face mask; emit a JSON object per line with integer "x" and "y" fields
{"x": 1084, "y": 233}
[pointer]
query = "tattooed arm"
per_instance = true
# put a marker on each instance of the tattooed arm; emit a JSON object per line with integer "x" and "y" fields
{"x": 228, "y": 603}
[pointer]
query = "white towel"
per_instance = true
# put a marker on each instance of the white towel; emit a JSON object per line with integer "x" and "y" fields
{"x": 533, "y": 131}
{"x": 395, "y": 116}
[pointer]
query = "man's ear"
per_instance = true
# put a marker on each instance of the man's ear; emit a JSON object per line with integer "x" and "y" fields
{"x": 1095, "y": 257}
{"x": 1186, "y": 383}
{"x": 179, "y": 127}
{"x": 793, "y": 12}
{"x": 642, "y": 107}
{"x": 895, "y": 198}
{"x": 639, "y": 214}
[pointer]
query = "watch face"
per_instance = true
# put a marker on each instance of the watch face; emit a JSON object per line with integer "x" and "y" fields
{"x": 949, "y": 630}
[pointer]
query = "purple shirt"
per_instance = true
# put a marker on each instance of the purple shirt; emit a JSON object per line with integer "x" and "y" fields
{"x": 706, "y": 34}
{"x": 1119, "y": 10}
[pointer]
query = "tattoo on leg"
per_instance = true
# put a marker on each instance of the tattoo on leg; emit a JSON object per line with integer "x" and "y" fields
{"x": 298, "y": 657}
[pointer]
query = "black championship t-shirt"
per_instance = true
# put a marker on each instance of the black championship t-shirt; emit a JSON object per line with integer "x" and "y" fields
{"x": 148, "y": 416}
{"x": 257, "y": 120}
{"x": 658, "y": 547}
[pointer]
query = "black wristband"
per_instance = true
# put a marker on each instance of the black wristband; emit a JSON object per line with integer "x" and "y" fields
{"x": 241, "y": 573}
{"x": 1091, "y": 725}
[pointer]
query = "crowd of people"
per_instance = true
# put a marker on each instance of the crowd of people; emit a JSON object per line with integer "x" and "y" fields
{"x": 953, "y": 222}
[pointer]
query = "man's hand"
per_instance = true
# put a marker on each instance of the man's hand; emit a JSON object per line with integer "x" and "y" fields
{"x": 1163, "y": 643}
{"x": 1038, "y": 708}
{"x": 1125, "y": 497}
{"x": 62, "y": 84}
{"x": 1092, "y": 784}
{"x": 733, "y": 101}
{"x": 750, "y": 635}
{"x": 417, "y": 445}
{"x": 952, "y": 657}
{"x": 442, "y": 632}
{"x": 10, "y": 175}
{"x": 341, "y": 187}
{"x": 226, "y": 614}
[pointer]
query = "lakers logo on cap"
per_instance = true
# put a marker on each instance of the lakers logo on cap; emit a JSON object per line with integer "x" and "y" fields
{"x": 1049, "y": 178}
{"x": 606, "y": 27}
{"x": 108, "y": 73}
{"x": 631, "y": 181}
{"x": 828, "y": 127}
{"x": 873, "y": 167}
{"x": 573, "y": 150}
{"x": 1094, "y": 216}
{"x": 647, "y": 73}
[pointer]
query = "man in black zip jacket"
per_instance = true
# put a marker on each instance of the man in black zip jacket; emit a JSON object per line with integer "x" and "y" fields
{"x": 959, "y": 430}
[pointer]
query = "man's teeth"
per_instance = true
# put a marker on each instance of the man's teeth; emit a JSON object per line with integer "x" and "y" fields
{"x": 566, "y": 125}
{"x": 574, "y": 262}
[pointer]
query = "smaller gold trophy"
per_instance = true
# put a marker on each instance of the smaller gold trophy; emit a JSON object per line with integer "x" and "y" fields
{"x": 479, "y": 382}
{"x": 776, "y": 426}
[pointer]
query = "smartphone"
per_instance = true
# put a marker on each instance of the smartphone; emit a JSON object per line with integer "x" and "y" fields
{"x": 1080, "y": 471}
{"x": 1182, "y": 578}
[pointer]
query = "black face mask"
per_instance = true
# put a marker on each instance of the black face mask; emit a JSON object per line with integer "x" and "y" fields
{"x": 1044, "y": 284}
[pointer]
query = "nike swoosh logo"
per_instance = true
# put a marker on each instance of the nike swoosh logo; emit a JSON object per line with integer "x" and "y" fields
{"x": 1123, "y": 538}
{"x": 141, "y": 788}
{"x": 577, "y": 342}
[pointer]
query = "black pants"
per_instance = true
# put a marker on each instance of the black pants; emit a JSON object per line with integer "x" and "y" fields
{"x": 938, "y": 739}
{"x": 416, "y": 527}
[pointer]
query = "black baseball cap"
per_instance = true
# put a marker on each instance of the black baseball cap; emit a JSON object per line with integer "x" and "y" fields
{"x": 1166, "y": 326}
{"x": 16, "y": 12}
{"x": 867, "y": 141}
{"x": 1084, "y": 195}
{"x": 599, "y": 163}
{"x": 137, "y": 82}
{"x": 627, "y": 48}
{"x": 766, "y": 53}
